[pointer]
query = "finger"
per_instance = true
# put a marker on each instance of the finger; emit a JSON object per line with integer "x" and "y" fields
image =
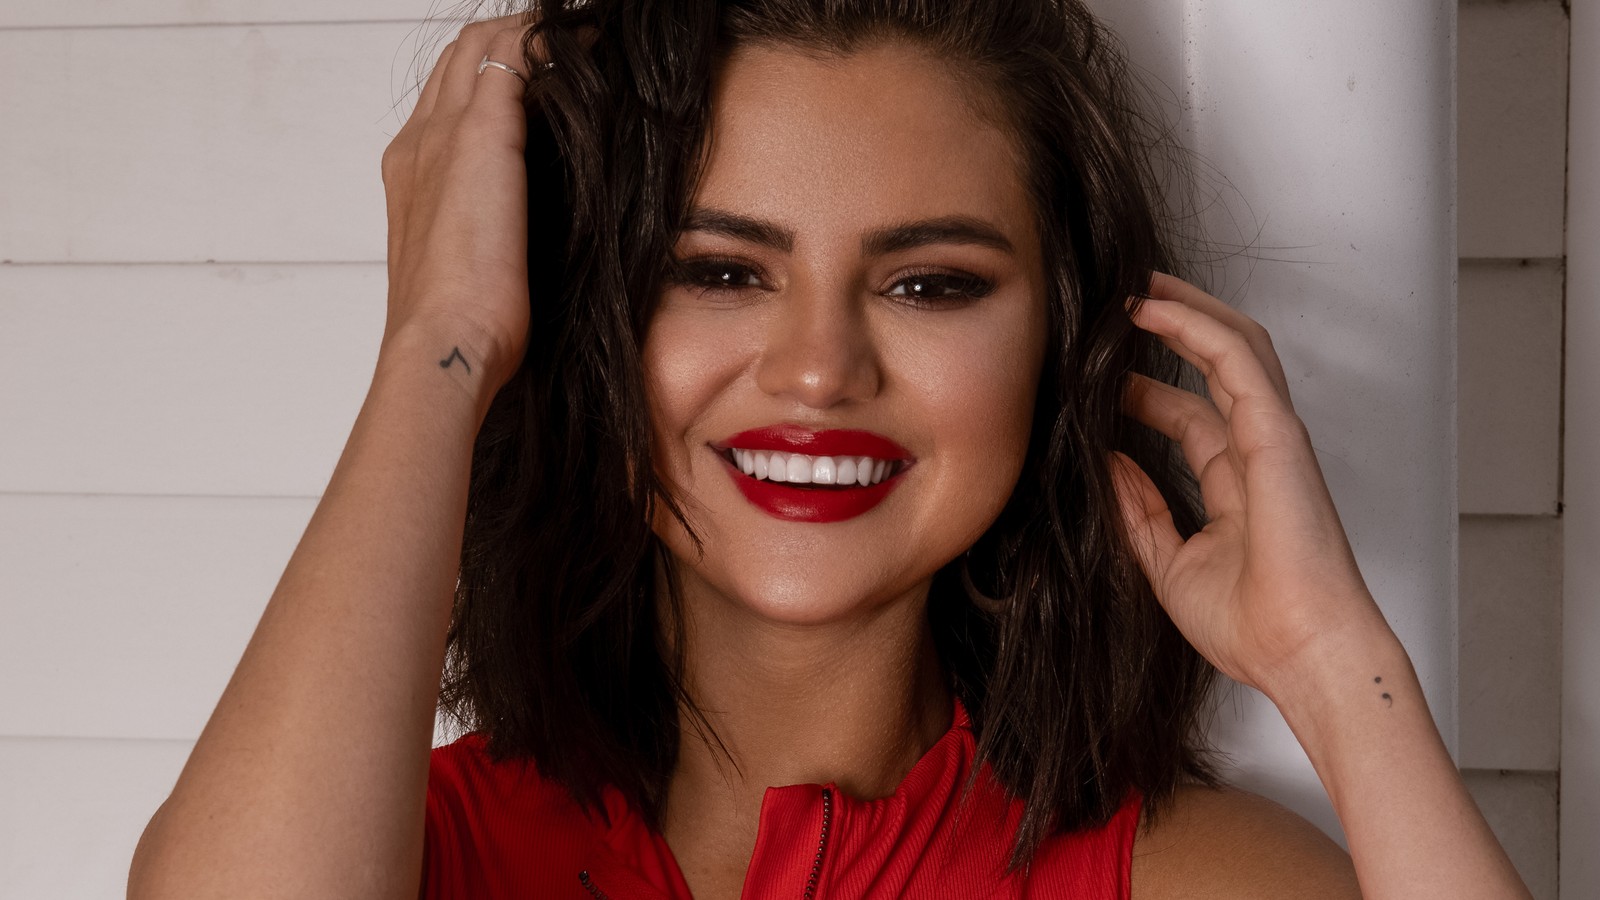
{"x": 1195, "y": 425}
{"x": 1148, "y": 521}
{"x": 430, "y": 90}
{"x": 461, "y": 78}
{"x": 1186, "y": 418}
{"x": 1168, "y": 287}
{"x": 509, "y": 47}
{"x": 1232, "y": 370}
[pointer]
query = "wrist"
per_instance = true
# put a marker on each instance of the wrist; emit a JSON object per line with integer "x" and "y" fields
{"x": 445, "y": 351}
{"x": 1321, "y": 667}
{"x": 1354, "y": 702}
{"x": 1344, "y": 682}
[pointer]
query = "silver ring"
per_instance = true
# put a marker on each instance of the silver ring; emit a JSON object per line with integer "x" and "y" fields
{"x": 487, "y": 62}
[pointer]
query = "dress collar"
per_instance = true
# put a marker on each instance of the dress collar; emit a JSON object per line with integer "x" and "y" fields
{"x": 814, "y": 840}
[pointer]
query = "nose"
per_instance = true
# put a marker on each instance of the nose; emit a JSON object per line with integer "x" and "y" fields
{"x": 819, "y": 350}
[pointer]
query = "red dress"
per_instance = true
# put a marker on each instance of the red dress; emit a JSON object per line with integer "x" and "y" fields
{"x": 500, "y": 831}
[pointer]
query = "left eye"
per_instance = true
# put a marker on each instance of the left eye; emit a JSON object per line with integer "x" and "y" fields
{"x": 941, "y": 287}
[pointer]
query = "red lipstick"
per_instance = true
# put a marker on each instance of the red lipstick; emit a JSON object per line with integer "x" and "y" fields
{"x": 833, "y": 442}
{"x": 807, "y": 503}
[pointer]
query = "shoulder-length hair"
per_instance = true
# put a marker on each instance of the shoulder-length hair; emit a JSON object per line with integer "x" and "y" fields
{"x": 1079, "y": 687}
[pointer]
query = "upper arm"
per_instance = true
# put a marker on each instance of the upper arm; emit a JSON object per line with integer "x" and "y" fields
{"x": 1227, "y": 843}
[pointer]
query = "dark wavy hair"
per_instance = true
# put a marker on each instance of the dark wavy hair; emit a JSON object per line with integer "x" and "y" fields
{"x": 1079, "y": 687}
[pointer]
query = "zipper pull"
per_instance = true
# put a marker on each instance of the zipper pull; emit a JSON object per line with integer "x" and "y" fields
{"x": 594, "y": 889}
{"x": 822, "y": 846}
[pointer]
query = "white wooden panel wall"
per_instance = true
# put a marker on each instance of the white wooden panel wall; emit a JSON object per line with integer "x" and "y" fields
{"x": 191, "y": 224}
{"x": 1333, "y": 123}
{"x": 1513, "y": 99}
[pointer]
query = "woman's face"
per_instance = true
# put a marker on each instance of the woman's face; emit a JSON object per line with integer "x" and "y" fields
{"x": 861, "y": 277}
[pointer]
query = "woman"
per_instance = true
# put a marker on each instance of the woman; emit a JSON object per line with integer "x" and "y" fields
{"x": 821, "y": 536}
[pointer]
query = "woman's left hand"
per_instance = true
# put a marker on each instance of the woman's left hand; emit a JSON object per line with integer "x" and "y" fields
{"x": 1271, "y": 574}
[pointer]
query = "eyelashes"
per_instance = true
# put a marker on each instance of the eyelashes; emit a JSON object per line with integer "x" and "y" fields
{"x": 929, "y": 287}
{"x": 712, "y": 273}
{"x": 942, "y": 287}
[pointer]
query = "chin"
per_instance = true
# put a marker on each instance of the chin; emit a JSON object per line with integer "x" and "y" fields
{"x": 797, "y": 591}
{"x": 803, "y": 601}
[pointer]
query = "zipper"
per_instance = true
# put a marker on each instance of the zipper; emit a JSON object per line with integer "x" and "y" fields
{"x": 822, "y": 845}
{"x": 811, "y": 880}
{"x": 594, "y": 889}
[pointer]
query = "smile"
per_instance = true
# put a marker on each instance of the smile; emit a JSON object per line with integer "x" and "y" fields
{"x": 845, "y": 473}
{"x": 797, "y": 468}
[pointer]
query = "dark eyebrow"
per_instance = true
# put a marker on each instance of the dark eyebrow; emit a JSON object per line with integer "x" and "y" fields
{"x": 880, "y": 242}
{"x": 945, "y": 230}
{"x": 741, "y": 228}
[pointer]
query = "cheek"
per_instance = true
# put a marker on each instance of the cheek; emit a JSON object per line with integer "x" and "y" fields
{"x": 981, "y": 385}
{"x": 687, "y": 365}
{"x": 979, "y": 395}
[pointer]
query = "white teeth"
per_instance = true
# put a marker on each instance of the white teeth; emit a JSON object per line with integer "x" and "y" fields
{"x": 847, "y": 471}
{"x": 822, "y": 470}
{"x": 797, "y": 468}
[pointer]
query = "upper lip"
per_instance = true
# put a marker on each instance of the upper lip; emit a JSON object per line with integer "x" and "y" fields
{"x": 828, "y": 442}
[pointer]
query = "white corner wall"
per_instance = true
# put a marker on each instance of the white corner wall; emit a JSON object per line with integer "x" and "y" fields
{"x": 1580, "y": 713}
{"x": 1333, "y": 127}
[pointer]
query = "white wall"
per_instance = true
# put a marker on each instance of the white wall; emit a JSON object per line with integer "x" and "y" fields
{"x": 1332, "y": 125}
{"x": 191, "y": 293}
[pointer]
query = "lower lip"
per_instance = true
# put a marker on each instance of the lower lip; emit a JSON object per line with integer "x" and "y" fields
{"x": 793, "y": 504}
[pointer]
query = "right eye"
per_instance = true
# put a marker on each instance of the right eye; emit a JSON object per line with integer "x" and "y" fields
{"x": 715, "y": 275}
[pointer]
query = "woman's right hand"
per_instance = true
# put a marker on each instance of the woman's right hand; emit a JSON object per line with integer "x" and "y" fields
{"x": 458, "y": 205}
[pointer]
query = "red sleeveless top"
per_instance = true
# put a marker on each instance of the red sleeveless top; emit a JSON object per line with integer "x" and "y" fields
{"x": 501, "y": 831}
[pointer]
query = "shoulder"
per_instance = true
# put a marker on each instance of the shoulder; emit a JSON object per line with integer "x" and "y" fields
{"x": 1228, "y": 843}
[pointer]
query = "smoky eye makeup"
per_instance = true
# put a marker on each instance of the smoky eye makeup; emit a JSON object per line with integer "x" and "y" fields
{"x": 940, "y": 287}
{"x": 714, "y": 273}
{"x": 928, "y": 287}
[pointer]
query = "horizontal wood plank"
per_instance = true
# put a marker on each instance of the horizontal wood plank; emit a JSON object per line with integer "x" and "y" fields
{"x": 1509, "y": 383}
{"x": 72, "y": 812}
{"x": 1524, "y": 811}
{"x": 190, "y": 144}
{"x": 125, "y": 616}
{"x": 1510, "y": 638}
{"x": 183, "y": 379}
{"x": 1512, "y": 125}
{"x": 114, "y": 13}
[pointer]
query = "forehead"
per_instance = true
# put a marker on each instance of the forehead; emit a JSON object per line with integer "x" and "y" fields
{"x": 886, "y": 133}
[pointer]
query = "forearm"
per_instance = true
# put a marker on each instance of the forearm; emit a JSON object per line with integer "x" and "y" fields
{"x": 1413, "y": 830}
{"x": 309, "y": 778}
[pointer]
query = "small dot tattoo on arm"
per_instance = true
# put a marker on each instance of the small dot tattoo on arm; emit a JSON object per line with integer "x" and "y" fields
{"x": 455, "y": 354}
{"x": 1378, "y": 679}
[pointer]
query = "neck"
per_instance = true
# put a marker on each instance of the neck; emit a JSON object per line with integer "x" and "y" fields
{"x": 854, "y": 702}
